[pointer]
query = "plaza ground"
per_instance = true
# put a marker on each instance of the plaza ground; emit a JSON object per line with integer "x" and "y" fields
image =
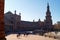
{"x": 29, "y": 37}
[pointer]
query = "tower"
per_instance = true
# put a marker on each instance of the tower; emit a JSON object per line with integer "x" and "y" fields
{"x": 48, "y": 21}
{"x": 15, "y": 21}
{"x": 2, "y": 33}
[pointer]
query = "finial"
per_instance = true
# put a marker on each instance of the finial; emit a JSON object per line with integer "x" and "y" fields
{"x": 47, "y": 6}
{"x": 20, "y": 14}
{"x": 47, "y": 3}
{"x": 33, "y": 20}
{"x": 15, "y": 11}
{"x": 39, "y": 20}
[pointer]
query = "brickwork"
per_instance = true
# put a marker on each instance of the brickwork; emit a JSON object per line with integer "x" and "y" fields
{"x": 2, "y": 34}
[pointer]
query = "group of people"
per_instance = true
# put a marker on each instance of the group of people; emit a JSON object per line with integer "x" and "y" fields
{"x": 25, "y": 34}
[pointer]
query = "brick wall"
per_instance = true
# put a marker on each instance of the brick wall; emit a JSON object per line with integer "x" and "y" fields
{"x": 2, "y": 34}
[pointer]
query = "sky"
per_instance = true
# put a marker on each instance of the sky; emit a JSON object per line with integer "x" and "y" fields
{"x": 34, "y": 9}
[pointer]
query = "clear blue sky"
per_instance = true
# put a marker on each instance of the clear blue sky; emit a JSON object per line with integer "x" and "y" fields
{"x": 34, "y": 9}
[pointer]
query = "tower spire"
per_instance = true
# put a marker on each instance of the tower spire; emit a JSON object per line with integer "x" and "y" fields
{"x": 48, "y": 21}
{"x": 48, "y": 7}
{"x": 48, "y": 10}
{"x": 48, "y": 13}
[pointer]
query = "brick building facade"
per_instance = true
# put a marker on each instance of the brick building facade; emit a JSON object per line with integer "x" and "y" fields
{"x": 14, "y": 22}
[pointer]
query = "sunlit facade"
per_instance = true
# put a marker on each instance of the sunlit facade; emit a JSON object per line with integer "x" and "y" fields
{"x": 14, "y": 23}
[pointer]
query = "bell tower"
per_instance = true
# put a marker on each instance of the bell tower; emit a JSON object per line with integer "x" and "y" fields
{"x": 48, "y": 21}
